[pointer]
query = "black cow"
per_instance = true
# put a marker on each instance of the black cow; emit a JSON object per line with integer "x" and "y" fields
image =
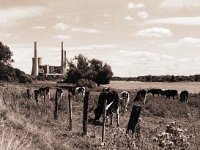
{"x": 184, "y": 96}
{"x": 155, "y": 91}
{"x": 112, "y": 99}
{"x": 170, "y": 93}
{"x": 141, "y": 96}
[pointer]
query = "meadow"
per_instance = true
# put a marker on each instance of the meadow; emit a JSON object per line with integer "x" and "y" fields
{"x": 28, "y": 125}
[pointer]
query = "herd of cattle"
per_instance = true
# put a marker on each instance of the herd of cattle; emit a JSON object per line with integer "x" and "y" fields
{"x": 115, "y": 102}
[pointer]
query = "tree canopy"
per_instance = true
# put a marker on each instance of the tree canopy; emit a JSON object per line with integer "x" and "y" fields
{"x": 83, "y": 68}
{"x": 8, "y": 73}
{"x": 5, "y": 55}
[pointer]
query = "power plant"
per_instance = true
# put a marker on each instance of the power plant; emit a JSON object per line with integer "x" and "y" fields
{"x": 46, "y": 70}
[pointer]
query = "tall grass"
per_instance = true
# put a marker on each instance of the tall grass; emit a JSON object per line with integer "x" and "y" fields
{"x": 38, "y": 120}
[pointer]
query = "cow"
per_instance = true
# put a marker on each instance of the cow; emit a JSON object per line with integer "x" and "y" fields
{"x": 170, "y": 93}
{"x": 184, "y": 96}
{"x": 77, "y": 90}
{"x": 155, "y": 91}
{"x": 124, "y": 100}
{"x": 59, "y": 97}
{"x": 113, "y": 105}
{"x": 141, "y": 96}
{"x": 42, "y": 92}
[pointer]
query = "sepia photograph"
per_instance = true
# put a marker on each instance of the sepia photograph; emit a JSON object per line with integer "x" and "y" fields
{"x": 100, "y": 75}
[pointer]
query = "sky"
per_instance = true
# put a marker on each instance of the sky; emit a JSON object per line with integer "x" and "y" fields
{"x": 135, "y": 37}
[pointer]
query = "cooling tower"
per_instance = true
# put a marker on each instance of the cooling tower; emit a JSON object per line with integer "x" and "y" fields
{"x": 39, "y": 61}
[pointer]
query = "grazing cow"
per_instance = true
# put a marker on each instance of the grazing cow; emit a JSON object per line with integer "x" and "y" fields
{"x": 77, "y": 90}
{"x": 155, "y": 91}
{"x": 141, "y": 96}
{"x": 113, "y": 104}
{"x": 184, "y": 96}
{"x": 124, "y": 100}
{"x": 170, "y": 93}
{"x": 59, "y": 97}
{"x": 42, "y": 91}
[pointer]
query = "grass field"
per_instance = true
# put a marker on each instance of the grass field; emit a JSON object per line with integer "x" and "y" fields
{"x": 27, "y": 125}
{"x": 130, "y": 85}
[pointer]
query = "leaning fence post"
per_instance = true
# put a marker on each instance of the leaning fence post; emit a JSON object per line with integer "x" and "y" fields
{"x": 85, "y": 112}
{"x": 104, "y": 123}
{"x": 70, "y": 112}
{"x": 134, "y": 117}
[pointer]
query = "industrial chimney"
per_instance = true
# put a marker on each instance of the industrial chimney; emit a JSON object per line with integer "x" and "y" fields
{"x": 35, "y": 61}
{"x": 62, "y": 58}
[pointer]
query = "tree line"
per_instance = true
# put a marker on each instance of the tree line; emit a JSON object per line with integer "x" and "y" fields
{"x": 161, "y": 78}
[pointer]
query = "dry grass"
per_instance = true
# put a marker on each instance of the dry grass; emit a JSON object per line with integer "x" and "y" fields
{"x": 37, "y": 129}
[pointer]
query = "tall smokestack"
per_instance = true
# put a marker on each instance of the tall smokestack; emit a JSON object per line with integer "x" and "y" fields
{"x": 65, "y": 62}
{"x": 62, "y": 57}
{"x": 35, "y": 72}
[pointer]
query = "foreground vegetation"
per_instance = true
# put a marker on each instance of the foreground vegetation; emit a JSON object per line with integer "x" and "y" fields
{"x": 33, "y": 126}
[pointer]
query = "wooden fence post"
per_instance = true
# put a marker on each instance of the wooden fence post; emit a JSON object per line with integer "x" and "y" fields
{"x": 70, "y": 112}
{"x": 104, "y": 123}
{"x": 56, "y": 107}
{"x": 134, "y": 117}
{"x": 85, "y": 112}
{"x": 28, "y": 93}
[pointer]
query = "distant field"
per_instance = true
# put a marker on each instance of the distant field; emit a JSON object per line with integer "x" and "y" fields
{"x": 130, "y": 85}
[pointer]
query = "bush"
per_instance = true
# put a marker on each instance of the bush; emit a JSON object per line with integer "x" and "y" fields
{"x": 174, "y": 137}
{"x": 24, "y": 78}
{"x": 86, "y": 83}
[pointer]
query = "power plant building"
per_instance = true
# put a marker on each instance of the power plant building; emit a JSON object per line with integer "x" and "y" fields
{"x": 38, "y": 69}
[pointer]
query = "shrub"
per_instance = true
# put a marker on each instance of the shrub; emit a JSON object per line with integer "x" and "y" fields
{"x": 86, "y": 83}
{"x": 174, "y": 137}
{"x": 24, "y": 78}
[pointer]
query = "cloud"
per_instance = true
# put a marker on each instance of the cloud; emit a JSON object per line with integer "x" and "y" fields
{"x": 62, "y": 37}
{"x": 184, "y": 42}
{"x": 155, "y": 32}
{"x": 13, "y": 15}
{"x": 39, "y": 27}
{"x": 140, "y": 5}
{"x": 62, "y": 26}
{"x": 143, "y": 15}
{"x": 129, "y": 18}
{"x": 179, "y": 3}
{"x": 87, "y": 30}
{"x": 132, "y": 5}
{"x": 176, "y": 20}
